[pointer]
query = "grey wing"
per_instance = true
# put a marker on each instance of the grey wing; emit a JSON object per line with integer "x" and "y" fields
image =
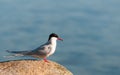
{"x": 42, "y": 50}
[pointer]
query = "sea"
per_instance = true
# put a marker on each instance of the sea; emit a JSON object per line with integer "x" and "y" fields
{"x": 90, "y": 30}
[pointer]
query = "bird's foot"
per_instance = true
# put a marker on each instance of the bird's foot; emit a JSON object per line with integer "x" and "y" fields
{"x": 46, "y": 60}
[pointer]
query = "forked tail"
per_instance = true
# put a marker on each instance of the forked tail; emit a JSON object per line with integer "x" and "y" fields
{"x": 17, "y": 52}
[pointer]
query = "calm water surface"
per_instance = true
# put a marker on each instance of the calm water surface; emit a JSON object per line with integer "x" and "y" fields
{"x": 90, "y": 29}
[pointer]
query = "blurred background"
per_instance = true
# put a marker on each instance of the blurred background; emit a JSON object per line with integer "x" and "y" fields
{"x": 90, "y": 29}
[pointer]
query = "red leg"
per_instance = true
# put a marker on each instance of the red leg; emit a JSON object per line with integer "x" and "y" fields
{"x": 45, "y": 60}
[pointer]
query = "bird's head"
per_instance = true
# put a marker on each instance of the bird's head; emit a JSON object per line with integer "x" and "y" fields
{"x": 54, "y": 36}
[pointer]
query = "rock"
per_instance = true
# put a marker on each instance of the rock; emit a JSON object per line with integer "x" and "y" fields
{"x": 32, "y": 67}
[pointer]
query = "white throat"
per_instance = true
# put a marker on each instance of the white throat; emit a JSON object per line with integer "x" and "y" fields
{"x": 53, "y": 41}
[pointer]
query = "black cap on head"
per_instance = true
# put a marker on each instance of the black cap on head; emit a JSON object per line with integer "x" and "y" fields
{"x": 53, "y": 35}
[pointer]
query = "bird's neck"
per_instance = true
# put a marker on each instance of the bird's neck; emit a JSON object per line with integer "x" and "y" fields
{"x": 53, "y": 41}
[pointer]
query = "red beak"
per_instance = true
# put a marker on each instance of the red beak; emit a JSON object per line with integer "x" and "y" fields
{"x": 60, "y": 39}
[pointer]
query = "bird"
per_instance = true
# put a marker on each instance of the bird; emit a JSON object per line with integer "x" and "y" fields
{"x": 43, "y": 51}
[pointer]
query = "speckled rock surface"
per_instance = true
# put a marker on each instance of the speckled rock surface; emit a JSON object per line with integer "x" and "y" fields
{"x": 32, "y": 67}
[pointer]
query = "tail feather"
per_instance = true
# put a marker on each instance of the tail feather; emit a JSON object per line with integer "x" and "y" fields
{"x": 13, "y": 55}
{"x": 17, "y": 52}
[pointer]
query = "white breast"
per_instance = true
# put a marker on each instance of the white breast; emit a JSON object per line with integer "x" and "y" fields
{"x": 53, "y": 45}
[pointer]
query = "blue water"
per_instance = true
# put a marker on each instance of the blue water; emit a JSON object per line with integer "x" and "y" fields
{"x": 90, "y": 29}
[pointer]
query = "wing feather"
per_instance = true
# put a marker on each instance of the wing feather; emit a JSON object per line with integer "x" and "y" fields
{"x": 42, "y": 50}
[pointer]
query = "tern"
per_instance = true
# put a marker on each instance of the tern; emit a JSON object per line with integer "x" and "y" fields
{"x": 42, "y": 51}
